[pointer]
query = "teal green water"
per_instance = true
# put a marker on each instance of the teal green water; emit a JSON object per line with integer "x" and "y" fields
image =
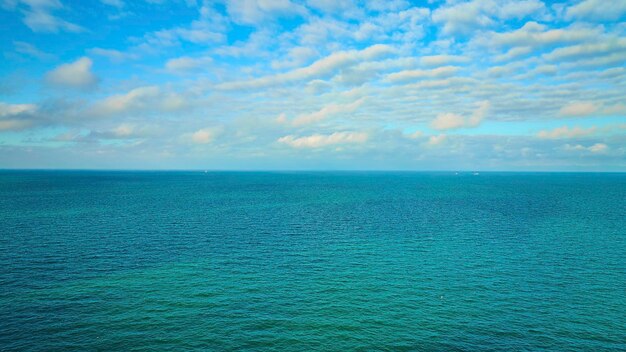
{"x": 223, "y": 261}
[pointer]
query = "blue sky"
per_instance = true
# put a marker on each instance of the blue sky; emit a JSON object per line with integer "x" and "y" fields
{"x": 326, "y": 84}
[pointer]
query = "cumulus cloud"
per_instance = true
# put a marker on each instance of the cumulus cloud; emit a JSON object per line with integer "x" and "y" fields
{"x": 209, "y": 28}
{"x": 186, "y": 64}
{"x": 147, "y": 98}
{"x": 203, "y": 136}
{"x": 123, "y": 131}
{"x": 39, "y": 17}
{"x": 412, "y": 75}
{"x": 597, "y": 10}
{"x": 300, "y": 74}
{"x": 566, "y": 132}
{"x": 438, "y": 60}
{"x": 436, "y": 140}
{"x": 414, "y": 135}
{"x": 513, "y": 53}
{"x": 464, "y": 17}
{"x": 578, "y": 109}
{"x": 322, "y": 140}
{"x": 30, "y": 50}
{"x": 16, "y": 116}
{"x": 326, "y": 112}
{"x": 323, "y": 68}
{"x": 252, "y": 12}
{"x": 135, "y": 99}
{"x": 577, "y": 52}
{"x": 535, "y": 35}
{"x": 16, "y": 109}
{"x": 597, "y": 148}
{"x": 449, "y": 121}
{"x": 114, "y": 55}
{"x": 76, "y": 75}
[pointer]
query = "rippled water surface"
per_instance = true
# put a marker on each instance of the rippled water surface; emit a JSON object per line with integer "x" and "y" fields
{"x": 151, "y": 261}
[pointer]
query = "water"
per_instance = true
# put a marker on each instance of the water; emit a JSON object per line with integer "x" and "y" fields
{"x": 151, "y": 261}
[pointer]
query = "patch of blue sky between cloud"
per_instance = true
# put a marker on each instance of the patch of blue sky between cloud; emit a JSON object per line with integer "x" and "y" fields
{"x": 292, "y": 81}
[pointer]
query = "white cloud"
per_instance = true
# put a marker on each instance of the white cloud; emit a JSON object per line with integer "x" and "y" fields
{"x": 514, "y": 53}
{"x": 413, "y": 75}
{"x": 597, "y": 148}
{"x": 449, "y": 121}
{"x": 446, "y": 121}
{"x": 31, "y": 50}
{"x": 16, "y": 116}
{"x": 16, "y": 109}
{"x": 124, "y": 130}
{"x": 296, "y": 56}
{"x": 321, "y": 140}
{"x": 135, "y": 99}
{"x": 203, "y": 136}
{"x": 73, "y": 75}
{"x": 535, "y": 35}
{"x": 38, "y": 15}
{"x": 578, "y": 109}
{"x": 345, "y": 8}
{"x": 325, "y": 112}
{"x": 616, "y": 109}
{"x": 387, "y": 5}
{"x": 464, "y": 17}
{"x": 114, "y": 55}
{"x": 141, "y": 99}
{"x": 438, "y": 60}
{"x": 185, "y": 63}
{"x": 576, "y": 52}
{"x": 210, "y": 28}
{"x": 597, "y": 10}
{"x": 323, "y": 68}
{"x": 566, "y": 132}
{"x": 254, "y": 12}
{"x": 436, "y": 140}
{"x": 414, "y": 135}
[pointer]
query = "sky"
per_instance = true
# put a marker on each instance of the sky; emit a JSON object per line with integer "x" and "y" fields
{"x": 510, "y": 85}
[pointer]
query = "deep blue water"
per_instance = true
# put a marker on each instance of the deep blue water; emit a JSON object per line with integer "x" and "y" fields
{"x": 229, "y": 261}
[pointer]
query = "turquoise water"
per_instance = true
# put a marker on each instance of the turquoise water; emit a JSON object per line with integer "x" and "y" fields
{"x": 228, "y": 261}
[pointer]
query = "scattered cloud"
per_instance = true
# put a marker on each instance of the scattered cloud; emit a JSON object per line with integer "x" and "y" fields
{"x": 450, "y": 121}
{"x": 76, "y": 75}
{"x": 439, "y": 60}
{"x": 32, "y": 51}
{"x": 566, "y": 132}
{"x": 366, "y": 84}
{"x": 203, "y": 136}
{"x": 434, "y": 141}
{"x": 16, "y": 116}
{"x": 322, "y": 140}
{"x": 413, "y": 75}
{"x": 254, "y": 12}
{"x": 597, "y": 148}
{"x": 583, "y": 108}
{"x": 326, "y": 112}
{"x": 464, "y": 17}
{"x": 323, "y": 68}
{"x": 140, "y": 99}
{"x": 39, "y": 17}
{"x": 186, "y": 64}
{"x": 597, "y": 10}
{"x": 114, "y": 55}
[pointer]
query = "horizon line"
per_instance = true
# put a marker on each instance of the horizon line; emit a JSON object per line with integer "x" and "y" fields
{"x": 200, "y": 170}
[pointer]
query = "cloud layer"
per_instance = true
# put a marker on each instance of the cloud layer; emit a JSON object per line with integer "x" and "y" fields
{"x": 479, "y": 84}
